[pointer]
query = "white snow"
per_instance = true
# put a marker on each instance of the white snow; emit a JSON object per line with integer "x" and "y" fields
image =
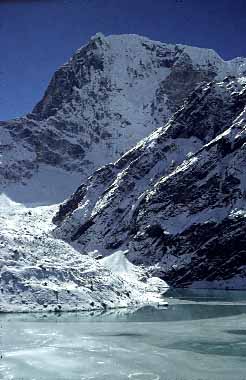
{"x": 118, "y": 263}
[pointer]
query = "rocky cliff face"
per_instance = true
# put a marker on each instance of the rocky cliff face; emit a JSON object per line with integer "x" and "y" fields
{"x": 113, "y": 92}
{"x": 177, "y": 199}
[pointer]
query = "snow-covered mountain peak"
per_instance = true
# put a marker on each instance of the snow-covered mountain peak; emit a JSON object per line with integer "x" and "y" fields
{"x": 133, "y": 67}
{"x": 112, "y": 93}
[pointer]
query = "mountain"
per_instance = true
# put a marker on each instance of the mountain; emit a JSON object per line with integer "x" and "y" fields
{"x": 113, "y": 92}
{"x": 176, "y": 200}
{"x": 154, "y": 136}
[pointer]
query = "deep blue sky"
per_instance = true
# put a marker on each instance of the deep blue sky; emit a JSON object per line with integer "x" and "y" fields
{"x": 38, "y": 36}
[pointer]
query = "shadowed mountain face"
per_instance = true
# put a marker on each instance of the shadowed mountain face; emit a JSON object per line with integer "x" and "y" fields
{"x": 156, "y": 132}
{"x": 112, "y": 93}
{"x": 177, "y": 199}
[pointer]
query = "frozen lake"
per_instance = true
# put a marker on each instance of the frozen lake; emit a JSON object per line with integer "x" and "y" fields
{"x": 200, "y": 336}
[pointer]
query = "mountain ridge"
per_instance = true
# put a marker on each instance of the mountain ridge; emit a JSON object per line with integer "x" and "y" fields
{"x": 117, "y": 207}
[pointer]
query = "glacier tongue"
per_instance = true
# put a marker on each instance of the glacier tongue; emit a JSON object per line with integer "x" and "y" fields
{"x": 41, "y": 273}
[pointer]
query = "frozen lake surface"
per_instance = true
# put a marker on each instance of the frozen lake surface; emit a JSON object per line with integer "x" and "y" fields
{"x": 200, "y": 336}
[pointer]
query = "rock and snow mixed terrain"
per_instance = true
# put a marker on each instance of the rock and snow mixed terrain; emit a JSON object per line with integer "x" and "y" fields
{"x": 168, "y": 124}
{"x": 177, "y": 200}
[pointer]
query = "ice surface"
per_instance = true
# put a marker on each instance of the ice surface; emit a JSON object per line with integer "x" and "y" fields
{"x": 190, "y": 340}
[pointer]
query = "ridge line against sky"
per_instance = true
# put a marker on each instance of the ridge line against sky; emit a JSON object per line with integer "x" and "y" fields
{"x": 37, "y": 36}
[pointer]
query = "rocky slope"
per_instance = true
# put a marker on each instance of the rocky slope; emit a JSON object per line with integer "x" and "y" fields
{"x": 113, "y": 92}
{"x": 176, "y": 200}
